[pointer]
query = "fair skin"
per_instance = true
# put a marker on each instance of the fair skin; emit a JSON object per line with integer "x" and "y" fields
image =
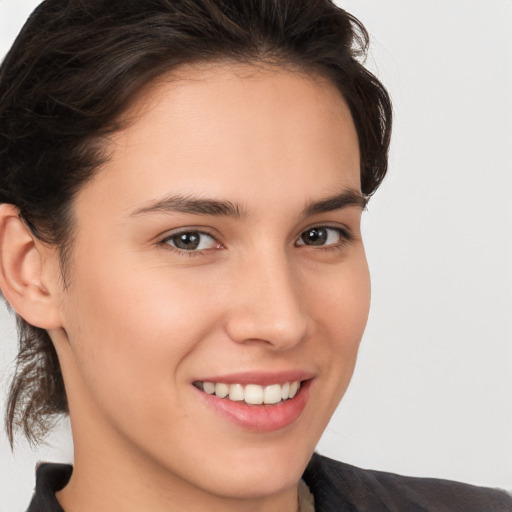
{"x": 242, "y": 159}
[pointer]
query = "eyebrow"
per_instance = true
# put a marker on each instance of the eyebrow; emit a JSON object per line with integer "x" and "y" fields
{"x": 213, "y": 207}
{"x": 346, "y": 198}
{"x": 186, "y": 204}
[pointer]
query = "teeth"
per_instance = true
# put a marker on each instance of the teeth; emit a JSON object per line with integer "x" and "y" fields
{"x": 272, "y": 394}
{"x": 221, "y": 390}
{"x": 209, "y": 387}
{"x": 285, "y": 391}
{"x": 252, "y": 394}
{"x": 294, "y": 387}
{"x": 236, "y": 392}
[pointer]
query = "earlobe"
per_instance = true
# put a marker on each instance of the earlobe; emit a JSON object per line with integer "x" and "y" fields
{"x": 21, "y": 271}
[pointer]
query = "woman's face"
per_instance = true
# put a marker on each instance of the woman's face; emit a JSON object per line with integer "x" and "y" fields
{"x": 219, "y": 249}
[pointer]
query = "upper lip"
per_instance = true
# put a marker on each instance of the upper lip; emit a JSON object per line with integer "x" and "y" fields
{"x": 263, "y": 378}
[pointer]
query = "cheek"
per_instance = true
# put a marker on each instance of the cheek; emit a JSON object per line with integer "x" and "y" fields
{"x": 341, "y": 309}
{"x": 130, "y": 331}
{"x": 342, "y": 300}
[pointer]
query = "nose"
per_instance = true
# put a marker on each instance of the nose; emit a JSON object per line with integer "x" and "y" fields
{"x": 267, "y": 305}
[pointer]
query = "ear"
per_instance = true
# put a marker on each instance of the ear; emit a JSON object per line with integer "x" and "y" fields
{"x": 24, "y": 261}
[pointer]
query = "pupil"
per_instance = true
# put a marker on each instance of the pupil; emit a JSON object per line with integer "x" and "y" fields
{"x": 316, "y": 236}
{"x": 187, "y": 241}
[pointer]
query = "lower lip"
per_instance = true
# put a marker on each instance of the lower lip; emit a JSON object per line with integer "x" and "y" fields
{"x": 263, "y": 418}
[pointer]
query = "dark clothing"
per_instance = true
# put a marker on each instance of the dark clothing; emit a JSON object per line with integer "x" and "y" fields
{"x": 50, "y": 478}
{"x": 338, "y": 487}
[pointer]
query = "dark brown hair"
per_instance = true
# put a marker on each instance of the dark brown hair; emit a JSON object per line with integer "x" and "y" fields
{"x": 70, "y": 75}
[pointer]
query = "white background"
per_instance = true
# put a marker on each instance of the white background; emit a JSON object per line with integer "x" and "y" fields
{"x": 432, "y": 393}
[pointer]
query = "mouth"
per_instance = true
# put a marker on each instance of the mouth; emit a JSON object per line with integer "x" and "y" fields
{"x": 273, "y": 404}
{"x": 251, "y": 394}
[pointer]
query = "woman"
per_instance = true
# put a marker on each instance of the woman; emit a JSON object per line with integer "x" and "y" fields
{"x": 182, "y": 186}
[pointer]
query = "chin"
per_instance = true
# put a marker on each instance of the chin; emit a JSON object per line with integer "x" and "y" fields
{"x": 264, "y": 470}
{"x": 259, "y": 479}
{"x": 264, "y": 467}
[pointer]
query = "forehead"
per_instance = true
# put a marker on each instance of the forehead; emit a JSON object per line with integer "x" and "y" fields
{"x": 212, "y": 129}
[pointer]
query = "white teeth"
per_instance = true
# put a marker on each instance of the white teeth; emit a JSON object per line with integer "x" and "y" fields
{"x": 236, "y": 392}
{"x": 294, "y": 387}
{"x": 209, "y": 387}
{"x": 272, "y": 394}
{"x": 221, "y": 390}
{"x": 285, "y": 390}
{"x": 252, "y": 394}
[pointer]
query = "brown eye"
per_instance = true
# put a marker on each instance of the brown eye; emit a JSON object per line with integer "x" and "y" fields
{"x": 321, "y": 236}
{"x": 191, "y": 241}
{"x": 315, "y": 236}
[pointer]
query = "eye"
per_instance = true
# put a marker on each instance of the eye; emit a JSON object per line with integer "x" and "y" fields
{"x": 192, "y": 241}
{"x": 323, "y": 236}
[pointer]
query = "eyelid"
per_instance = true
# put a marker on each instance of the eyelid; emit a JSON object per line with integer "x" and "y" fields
{"x": 204, "y": 230}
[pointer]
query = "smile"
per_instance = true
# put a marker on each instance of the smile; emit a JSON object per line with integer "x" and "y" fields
{"x": 258, "y": 401}
{"x": 251, "y": 394}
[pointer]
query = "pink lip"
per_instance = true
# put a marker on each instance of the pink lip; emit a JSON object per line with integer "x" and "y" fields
{"x": 263, "y": 418}
{"x": 261, "y": 378}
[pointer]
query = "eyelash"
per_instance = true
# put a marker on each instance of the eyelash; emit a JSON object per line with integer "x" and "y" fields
{"x": 344, "y": 234}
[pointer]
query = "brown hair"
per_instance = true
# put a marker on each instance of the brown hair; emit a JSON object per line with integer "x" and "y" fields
{"x": 70, "y": 75}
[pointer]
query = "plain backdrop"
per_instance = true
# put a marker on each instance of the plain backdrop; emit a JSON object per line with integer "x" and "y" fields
{"x": 432, "y": 392}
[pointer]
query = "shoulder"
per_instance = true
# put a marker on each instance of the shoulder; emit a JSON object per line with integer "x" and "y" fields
{"x": 337, "y": 486}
